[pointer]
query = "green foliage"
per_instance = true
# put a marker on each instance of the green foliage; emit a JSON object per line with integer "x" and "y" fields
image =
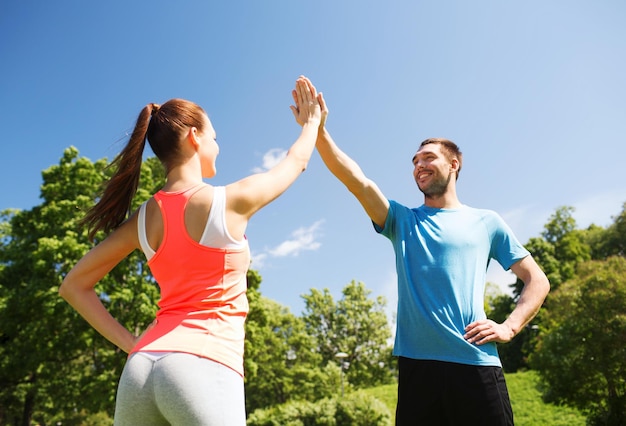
{"x": 581, "y": 355}
{"x": 296, "y": 413}
{"x": 513, "y": 354}
{"x": 355, "y": 409}
{"x": 612, "y": 242}
{"x": 361, "y": 409}
{"x": 560, "y": 250}
{"x": 560, "y": 224}
{"x": 279, "y": 360}
{"x": 387, "y": 394}
{"x": 498, "y": 306}
{"x": 558, "y": 253}
{"x": 53, "y": 366}
{"x": 301, "y": 364}
{"x": 595, "y": 236}
{"x": 355, "y": 325}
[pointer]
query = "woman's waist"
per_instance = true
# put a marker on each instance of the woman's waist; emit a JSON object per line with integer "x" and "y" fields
{"x": 203, "y": 304}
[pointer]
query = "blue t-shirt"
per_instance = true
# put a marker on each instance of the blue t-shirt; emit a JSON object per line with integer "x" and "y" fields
{"x": 441, "y": 261}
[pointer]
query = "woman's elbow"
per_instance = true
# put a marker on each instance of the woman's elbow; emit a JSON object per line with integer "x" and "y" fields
{"x": 63, "y": 290}
{"x": 67, "y": 288}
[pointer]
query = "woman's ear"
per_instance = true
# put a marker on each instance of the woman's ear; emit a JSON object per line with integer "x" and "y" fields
{"x": 192, "y": 137}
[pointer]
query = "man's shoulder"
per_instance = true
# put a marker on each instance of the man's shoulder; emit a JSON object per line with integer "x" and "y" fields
{"x": 480, "y": 213}
{"x": 485, "y": 213}
{"x": 396, "y": 205}
{"x": 489, "y": 218}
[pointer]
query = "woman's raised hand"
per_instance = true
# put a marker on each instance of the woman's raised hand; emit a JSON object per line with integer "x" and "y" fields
{"x": 307, "y": 100}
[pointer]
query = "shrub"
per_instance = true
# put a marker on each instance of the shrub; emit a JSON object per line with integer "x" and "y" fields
{"x": 356, "y": 409}
{"x": 361, "y": 409}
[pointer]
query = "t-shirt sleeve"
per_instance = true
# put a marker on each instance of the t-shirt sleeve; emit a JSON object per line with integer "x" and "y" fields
{"x": 505, "y": 247}
{"x": 388, "y": 229}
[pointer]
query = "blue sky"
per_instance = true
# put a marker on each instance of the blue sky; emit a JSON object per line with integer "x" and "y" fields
{"x": 533, "y": 92}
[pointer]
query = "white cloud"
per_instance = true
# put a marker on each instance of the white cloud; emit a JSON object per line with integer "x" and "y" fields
{"x": 258, "y": 260}
{"x": 304, "y": 238}
{"x": 301, "y": 239}
{"x": 270, "y": 159}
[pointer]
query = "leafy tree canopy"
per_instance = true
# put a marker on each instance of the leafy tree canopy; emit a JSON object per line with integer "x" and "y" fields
{"x": 581, "y": 355}
{"x": 355, "y": 325}
{"x": 52, "y": 364}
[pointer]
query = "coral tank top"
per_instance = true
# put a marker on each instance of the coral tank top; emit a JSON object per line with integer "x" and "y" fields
{"x": 203, "y": 303}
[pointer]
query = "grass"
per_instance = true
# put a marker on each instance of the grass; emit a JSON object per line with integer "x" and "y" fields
{"x": 528, "y": 407}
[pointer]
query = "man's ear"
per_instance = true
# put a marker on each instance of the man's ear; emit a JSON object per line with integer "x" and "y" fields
{"x": 454, "y": 165}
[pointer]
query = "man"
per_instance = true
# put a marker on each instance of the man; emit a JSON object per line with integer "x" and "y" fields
{"x": 449, "y": 369}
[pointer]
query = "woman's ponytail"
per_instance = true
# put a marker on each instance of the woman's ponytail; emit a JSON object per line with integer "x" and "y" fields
{"x": 164, "y": 126}
{"x": 114, "y": 204}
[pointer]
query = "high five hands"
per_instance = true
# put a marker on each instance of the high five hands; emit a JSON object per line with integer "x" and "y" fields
{"x": 309, "y": 105}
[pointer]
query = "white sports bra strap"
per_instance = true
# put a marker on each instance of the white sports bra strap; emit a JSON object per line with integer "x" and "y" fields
{"x": 215, "y": 233}
{"x": 141, "y": 228}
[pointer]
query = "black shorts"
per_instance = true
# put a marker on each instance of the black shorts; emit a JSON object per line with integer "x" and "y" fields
{"x": 446, "y": 393}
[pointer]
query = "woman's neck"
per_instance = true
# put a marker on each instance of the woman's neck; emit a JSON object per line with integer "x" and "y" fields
{"x": 182, "y": 177}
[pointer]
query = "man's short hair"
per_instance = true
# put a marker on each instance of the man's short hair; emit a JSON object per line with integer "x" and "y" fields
{"x": 450, "y": 150}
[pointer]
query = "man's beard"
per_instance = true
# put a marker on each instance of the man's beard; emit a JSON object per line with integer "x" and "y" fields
{"x": 437, "y": 187}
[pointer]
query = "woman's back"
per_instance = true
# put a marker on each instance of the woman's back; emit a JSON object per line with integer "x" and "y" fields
{"x": 203, "y": 303}
{"x": 204, "y": 224}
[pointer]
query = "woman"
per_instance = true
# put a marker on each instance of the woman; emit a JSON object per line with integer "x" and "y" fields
{"x": 187, "y": 367}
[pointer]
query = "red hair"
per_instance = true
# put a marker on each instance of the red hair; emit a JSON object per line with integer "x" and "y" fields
{"x": 164, "y": 127}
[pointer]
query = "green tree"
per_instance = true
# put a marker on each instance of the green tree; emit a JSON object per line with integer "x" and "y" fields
{"x": 561, "y": 249}
{"x": 355, "y": 325}
{"x": 581, "y": 355}
{"x": 280, "y": 362}
{"x": 52, "y": 364}
{"x": 498, "y": 307}
{"x": 613, "y": 240}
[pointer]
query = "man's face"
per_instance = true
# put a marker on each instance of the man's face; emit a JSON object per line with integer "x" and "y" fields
{"x": 432, "y": 170}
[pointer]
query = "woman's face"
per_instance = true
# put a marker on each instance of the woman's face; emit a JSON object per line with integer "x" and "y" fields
{"x": 208, "y": 149}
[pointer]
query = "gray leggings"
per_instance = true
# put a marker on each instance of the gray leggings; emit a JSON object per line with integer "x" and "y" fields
{"x": 179, "y": 389}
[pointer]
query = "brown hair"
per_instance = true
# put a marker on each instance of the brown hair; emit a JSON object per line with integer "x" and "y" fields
{"x": 450, "y": 150}
{"x": 164, "y": 127}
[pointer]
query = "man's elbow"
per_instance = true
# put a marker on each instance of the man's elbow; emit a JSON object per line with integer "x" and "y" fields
{"x": 541, "y": 285}
{"x": 546, "y": 285}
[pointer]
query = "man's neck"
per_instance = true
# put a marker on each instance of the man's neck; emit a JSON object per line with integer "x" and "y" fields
{"x": 445, "y": 201}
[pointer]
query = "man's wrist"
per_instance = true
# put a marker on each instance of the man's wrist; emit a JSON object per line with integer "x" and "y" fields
{"x": 511, "y": 329}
